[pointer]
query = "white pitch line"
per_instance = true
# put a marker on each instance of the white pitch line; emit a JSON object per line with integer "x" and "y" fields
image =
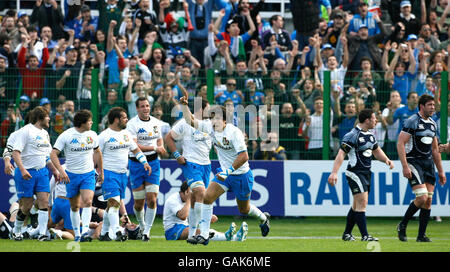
{"x": 319, "y": 238}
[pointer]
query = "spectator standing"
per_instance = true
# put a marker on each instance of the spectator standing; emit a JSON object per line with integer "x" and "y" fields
{"x": 392, "y": 129}
{"x": 403, "y": 77}
{"x": 289, "y": 136}
{"x": 313, "y": 129}
{"x": 403, "y": 113}
{"x": 408, "y": 19}
{"x": 33, "y": 74}
{"x": 363, "y": 44}
{"x": 201, "y": 16}
{"x": 306, "y": 14}
{"x": 110, "y": 10}
{"x": 364, "y": 17}
{"x": 147, "y": 17}
{"x": 270, "y": 149}
{"x": 48, "y": 13}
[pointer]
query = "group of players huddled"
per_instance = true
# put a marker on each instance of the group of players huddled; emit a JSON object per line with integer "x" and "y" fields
{"x": 134, "y": 146}
{"x": 127, "y": 146}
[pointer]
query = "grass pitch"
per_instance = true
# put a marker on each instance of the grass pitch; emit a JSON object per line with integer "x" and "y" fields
{"x": 311, "y": 234}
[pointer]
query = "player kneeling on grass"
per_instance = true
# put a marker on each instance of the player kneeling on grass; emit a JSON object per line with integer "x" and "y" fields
{"x": 115, "y": 142}
{"x": 359, "y": 144}
{"x": 176, "y": 214}
{"x": 418, "y": 151}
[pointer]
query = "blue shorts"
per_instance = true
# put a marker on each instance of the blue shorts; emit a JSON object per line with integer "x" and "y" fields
{"x": 138, "y": 175}
{"x": 175, "y": 232}
{"x": 39, "y": 182}
{"x": 80, "y": 182}
{"x": 193, "y": 172}
{"x": 61, "y": 210}
{"x": 240, "y": 185}
{"x": 115, "y": 184}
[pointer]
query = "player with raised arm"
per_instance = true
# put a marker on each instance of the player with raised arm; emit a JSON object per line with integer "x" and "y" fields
{"x": 359, "y": 144}
{"x": 81, "y": 149}
{"x": 31, "y": 149}
{"x": 146, "y": 132}
{"x": 234, "y": 172}
{"x": 115, "y": 142}
{"x": 418, "y": 152}
{"x": 194, "y": 162}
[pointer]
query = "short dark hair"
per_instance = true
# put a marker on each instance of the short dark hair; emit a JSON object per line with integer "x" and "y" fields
{"x": 81, "y": 117}
{"x": 114, "y": 113}
{"x": 139, "y": 100}
{"x": 365, "y": 114}
{"x": 273, "y": 18}
{"x": 219, "y": 110}
{"x": 424, "y": 99}
{"x": 184, "y": 187}
{"x": 365, "y": 59}
{"x": 410, "y": 93}
{"x": 38, "y": 114}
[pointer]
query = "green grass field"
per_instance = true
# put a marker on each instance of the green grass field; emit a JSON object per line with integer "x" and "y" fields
{"x": 311, "y": 234}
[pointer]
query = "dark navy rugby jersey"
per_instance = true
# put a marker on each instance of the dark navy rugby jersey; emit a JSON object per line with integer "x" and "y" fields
{"x": 359, "y": 145}
{"x": 422, "y": 135}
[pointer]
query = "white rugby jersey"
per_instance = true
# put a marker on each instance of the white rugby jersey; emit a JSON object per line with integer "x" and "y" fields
{"x": 196, "y": 144}
{"x": 34, "y": 146}
{"x": 171, "y": 207}
{"x": 229, "y": 143}
{"x": 7, "y": 153}
{"x": 56, "y": 189}
{"x": 147, "y": 133}
{"x": 78, "y": 149}
{"x": 115, "y": 146}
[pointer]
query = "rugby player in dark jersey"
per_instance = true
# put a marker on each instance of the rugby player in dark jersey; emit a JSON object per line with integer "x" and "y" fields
{"x": 359, "y": 144}
{"x": 418, "y": 152}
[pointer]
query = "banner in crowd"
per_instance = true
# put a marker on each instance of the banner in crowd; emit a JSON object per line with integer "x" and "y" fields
{"x": 292, "y": 188}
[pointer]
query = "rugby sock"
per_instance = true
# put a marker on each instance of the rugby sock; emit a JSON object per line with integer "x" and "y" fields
{"x": 149, "y": 218}
{"x": 19, "y": 222}
{"x": 34, "y": 210}
{"x": 412, "y": 209}
{"x": 113, "y": 215}
{"x": 42, "y": 221}
{"x": 192, "y": 223}
{"x": 350, "y": 221}
{"x": 205, "y": 222}
{"x": 360, "y": 218}
{"x": 257, "y": 213}
{"x": 424, "y": 216}
{"x": 75, "y": 218}
{"x": 218, "y": 236}
{"x": 140, "y": 217}
{"x": 105, "y": 225}
{"x": 86, "y": 215}
{"x": 198, "y": 210}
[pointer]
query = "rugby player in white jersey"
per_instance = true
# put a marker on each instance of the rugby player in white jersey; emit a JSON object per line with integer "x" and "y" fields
{"x": 194, "y": 161}
{"x": 81, "y": 149}
{"x": 176, "y": 219}
{"x": 115, "y": 142}
{"x": 31, "y": 150}
{"x": 146, "y": 132}
{"x": 234, "y": 172}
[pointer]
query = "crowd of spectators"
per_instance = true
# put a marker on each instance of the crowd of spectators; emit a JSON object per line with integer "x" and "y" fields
{"x": 162, "y": 49}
